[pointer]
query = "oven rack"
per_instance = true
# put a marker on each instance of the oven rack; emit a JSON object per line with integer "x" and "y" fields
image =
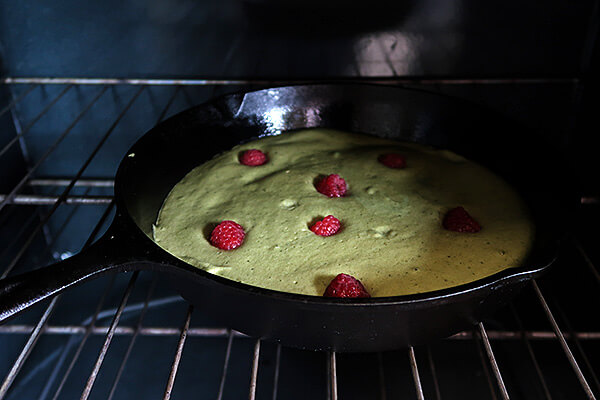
{"x": 45, "y": 195}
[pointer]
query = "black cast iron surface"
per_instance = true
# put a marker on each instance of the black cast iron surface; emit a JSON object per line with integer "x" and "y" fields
{"x": 196, "y": 135}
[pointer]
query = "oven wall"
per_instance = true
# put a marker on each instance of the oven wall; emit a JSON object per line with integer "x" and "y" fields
{"x": 262, "y": 38}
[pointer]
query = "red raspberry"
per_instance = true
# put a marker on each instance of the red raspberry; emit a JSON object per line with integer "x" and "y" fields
{"x": 346, "y": 286}
{"x": 332, "y": 185}
{"x": 253, "y": 158}
{"x": 392, "y": 160}
{"x": 327, "y": 226}
{"x": 459, "y": 220}
{"x": 228, "y": 235}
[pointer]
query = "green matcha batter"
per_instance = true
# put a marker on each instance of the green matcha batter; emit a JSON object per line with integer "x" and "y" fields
{"x": 391, "y": 238}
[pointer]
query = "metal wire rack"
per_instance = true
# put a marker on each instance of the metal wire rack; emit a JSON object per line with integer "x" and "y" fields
{"x": 542, "y": 352}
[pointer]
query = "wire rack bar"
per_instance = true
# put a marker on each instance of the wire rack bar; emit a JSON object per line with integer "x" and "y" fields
{"x": 225, "y": 364}
{"x": 18, "y": 129}
{"x": 15, "y": 101}
{"x": 561, "y": 337}
{"x": 133, "y": 339}
{"x": 40, "y": 200}
{"x": 276, "y": 373}
{"x": 187, "y": 97}
{"x": 35, "y": 119}
{"x": 51, "y": 149}
{"x": 333, "y": 385}
{"x": 108, "y": 339}
{"x": 168, "y": 105}
{"x": 121, "y": 330}
{"x": 259, "y": 81}
{"x": 534, "y": 360}
{"x": 484, "y": 366}
{"x": 31, "y": 342}
{"x": 18, "y": 235}
{"x": 178, "y": 353}
{"x": 436, "y": 385}
{"x": 28, "y": 242}
{"x": 224, "y": 332}
{"x": 26, "y": 227}
{"x": 46, "y": 108}
{"x": 586, "y": 258}
{"x": 48, "y": 248}
{"x": 415, "y": 373}
{"x": 589, "y": 200}
{"x": 578, "y": 345}
{"x": 493, "y": 362}
{"x": 535, "y": 335}
{"x": 103, "y": 182}
{"x": 254, "y": 374}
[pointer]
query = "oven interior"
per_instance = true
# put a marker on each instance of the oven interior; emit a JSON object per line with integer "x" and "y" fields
{"x": 81, "y": 82}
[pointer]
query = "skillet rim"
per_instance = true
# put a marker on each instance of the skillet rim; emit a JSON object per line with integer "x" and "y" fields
{"x": 526, "y": 271}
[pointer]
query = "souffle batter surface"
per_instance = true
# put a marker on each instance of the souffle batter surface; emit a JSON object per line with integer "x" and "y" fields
{"x": 391, "y": 235}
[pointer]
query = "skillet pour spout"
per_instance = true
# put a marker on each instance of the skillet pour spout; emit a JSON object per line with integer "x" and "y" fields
{"x": 167, "y": 152}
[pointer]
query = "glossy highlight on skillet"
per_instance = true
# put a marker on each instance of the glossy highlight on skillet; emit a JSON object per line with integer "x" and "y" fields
{"x": 392, "y": 237}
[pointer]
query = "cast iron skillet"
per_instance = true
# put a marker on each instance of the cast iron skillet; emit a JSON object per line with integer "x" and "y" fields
{"x": 169, "y": 150}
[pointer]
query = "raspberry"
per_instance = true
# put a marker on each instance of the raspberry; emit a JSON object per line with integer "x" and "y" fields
{"x": 392, "y": 160}
{"x": 228, "y": 235}
{"x": 327, "y": 226}
{"x": 345, "y": 286}
{"x": 253, "y": 158}
{"x": 459, "y": 220}
{"x": 332, "y": 185}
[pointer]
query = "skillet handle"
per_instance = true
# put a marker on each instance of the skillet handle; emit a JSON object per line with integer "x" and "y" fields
{"x": 20, "y": 292}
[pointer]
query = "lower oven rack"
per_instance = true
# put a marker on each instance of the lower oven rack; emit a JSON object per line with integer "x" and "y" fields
{"x": 244, "y": 365}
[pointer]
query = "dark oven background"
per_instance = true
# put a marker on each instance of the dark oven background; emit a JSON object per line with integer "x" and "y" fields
{"x": 130, "y": 336}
